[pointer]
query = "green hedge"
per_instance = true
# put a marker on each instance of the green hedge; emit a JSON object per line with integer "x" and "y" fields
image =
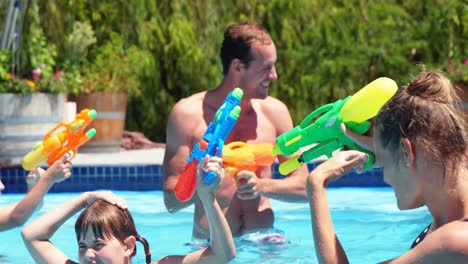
{"x": 327, "y": 49}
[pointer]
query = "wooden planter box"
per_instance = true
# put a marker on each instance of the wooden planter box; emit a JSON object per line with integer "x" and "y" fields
{"x": 24, "y": 120}
{"x": 110, "y": 120}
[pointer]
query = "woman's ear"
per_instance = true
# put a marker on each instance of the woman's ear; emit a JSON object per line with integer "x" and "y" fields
{"x": 408, "y": 152}
{"x": 129, "y": 246}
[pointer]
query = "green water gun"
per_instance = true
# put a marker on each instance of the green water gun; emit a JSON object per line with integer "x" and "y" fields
{"x": 325, "y": 132}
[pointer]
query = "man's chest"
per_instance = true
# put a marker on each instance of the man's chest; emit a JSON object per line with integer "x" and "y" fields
{"x": 250, "y": 128}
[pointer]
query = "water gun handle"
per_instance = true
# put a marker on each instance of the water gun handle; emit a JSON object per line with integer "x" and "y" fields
{"x": 187, "y": 183}
{"x": 324, "y": 148}
{"x": 209, "y": 177}
{"x": 370, "y": 162}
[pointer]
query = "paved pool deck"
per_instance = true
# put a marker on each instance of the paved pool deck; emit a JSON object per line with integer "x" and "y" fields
{"x": 150, "y": 156}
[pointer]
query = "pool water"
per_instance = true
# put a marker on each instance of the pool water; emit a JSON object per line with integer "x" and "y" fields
{"x": 367, "y": 221}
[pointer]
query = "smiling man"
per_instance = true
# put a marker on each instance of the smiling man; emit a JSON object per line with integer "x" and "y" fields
{"x": 248, "y": 56}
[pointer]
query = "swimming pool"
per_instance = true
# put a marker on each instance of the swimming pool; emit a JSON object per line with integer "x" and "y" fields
{"x": 370, "y": 227}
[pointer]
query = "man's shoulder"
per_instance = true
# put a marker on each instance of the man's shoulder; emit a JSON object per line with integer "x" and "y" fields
{"x": 189, "y": 105}
{"x": 187, "y": 112}
{"x": 272, "y": 105}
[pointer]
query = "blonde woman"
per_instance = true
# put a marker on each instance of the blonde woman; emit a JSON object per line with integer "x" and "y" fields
{"x": 420, "y": 139}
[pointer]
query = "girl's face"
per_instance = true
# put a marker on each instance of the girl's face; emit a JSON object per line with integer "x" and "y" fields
{"x": 102, "y": 251}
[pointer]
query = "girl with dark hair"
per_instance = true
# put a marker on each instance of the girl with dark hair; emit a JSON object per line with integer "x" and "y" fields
{"x": 106, "y": 233}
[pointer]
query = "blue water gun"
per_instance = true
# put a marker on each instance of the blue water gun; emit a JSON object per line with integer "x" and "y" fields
{"x": 211, "y": 144}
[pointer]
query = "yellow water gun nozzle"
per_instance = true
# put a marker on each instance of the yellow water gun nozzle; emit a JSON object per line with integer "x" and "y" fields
{"x": 290, "y": 165}
{"x": 276, "y": 150}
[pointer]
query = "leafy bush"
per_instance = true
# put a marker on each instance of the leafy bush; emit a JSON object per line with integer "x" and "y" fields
{"x": 327, "y": 49}
{"x": 114, "y": 68}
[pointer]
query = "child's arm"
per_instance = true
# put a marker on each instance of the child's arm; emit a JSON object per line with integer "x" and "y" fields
{"x": 222, "y": 248}
{"x": 17, "y": 214}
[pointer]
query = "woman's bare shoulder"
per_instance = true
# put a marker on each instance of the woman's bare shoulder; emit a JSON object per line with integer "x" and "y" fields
{"x": 455, "y": 236}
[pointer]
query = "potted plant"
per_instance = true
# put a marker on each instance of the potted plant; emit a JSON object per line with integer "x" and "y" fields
{"x": 30, "y": 105}
{"x": 110, "y": 75}
{"x": 32, "y": 92}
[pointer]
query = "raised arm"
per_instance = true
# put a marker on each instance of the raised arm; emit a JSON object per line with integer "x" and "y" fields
{"x": 222, "y": 248}
{"x": 327, "y": 245}
{"x": 178, "y": 147}
{"x": 17, "y": 214}
{"x": 38, "y": 233}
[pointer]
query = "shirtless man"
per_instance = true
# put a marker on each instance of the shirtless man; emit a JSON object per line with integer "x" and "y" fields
{"x": 248, "y": 55}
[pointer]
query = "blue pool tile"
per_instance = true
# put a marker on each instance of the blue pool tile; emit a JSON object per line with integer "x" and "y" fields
{"x": 140, "y": 170}
{"x": 107, "y": 170}
{"x": 149, "y": 177}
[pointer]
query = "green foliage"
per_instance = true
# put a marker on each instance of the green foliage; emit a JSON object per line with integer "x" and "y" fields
{"x": 40, "y": 55}
{"x": 5, "y": 69}
{"x": 41, "y": 52}
{"x": 114, "y": 68}
{"x": 169, "y": 49}
{"x": 75, "y": 48}
{"x": 78, "y": 42}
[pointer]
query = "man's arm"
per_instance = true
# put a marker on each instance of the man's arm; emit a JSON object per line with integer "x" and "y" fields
{"x": 293, "y": 187}
{"x": 178, "y": 147}
{"x": 288, "y": 189}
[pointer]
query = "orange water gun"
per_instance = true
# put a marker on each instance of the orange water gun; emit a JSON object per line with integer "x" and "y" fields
{"x": 57, "y": 142}
{"x": 239, "y": 156}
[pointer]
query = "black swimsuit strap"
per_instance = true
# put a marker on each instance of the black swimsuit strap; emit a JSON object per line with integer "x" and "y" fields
{"x": 421, "y": 236}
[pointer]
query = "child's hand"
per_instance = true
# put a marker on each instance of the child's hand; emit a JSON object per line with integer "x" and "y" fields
{"x": 207, "y": 164}
{"x": 60, "y": 170}
{"x": 33, "y": 177}
{"x": 107, "y": 196}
